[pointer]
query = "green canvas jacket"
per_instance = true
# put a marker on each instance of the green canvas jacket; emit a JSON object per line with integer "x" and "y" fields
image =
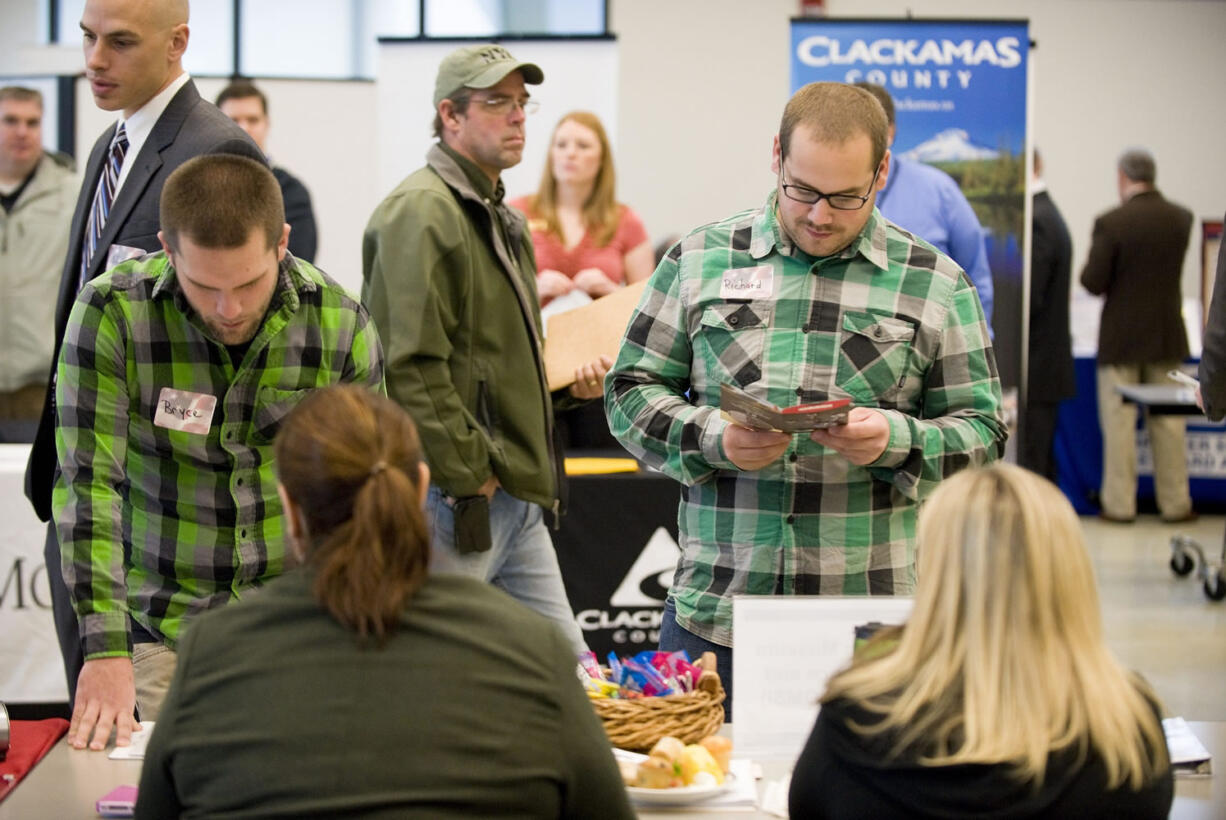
{"x": 449, "y": 276}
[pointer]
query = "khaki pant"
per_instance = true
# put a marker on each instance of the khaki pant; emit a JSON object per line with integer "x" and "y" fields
{"x": 1166, "y": 436}
{"x": 22, "y": 404}
{"x": 153, "y": 665}
{"x": 20, "y": 410}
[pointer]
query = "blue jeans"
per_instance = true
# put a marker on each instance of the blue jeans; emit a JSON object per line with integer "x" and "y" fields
{"x": 674, "y": 637}
{"x": 521, "y": 560}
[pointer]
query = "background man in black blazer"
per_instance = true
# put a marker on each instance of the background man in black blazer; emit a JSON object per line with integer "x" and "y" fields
{"x": 1051, "y": 377}
{"x": 1212, "y": 394}
{"x": 133, "y": 61}
{"x": 242, "y": 102}
{"x": 1135, "y": 262}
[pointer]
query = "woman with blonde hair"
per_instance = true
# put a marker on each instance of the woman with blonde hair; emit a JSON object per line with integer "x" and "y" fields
{"x": 584, "y": 238}
{"x": 358, "y": 685}
{"x": 998, "y": 698}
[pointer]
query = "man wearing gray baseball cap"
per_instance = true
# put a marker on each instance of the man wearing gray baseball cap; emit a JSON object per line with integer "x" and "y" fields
{"x": 449, "y": 277}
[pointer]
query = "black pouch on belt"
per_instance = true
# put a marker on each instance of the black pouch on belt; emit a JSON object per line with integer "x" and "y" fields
{"x": 472, "y": 524}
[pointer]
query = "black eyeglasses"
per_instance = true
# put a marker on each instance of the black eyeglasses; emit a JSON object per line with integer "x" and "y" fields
{"x": 840, "y": 202}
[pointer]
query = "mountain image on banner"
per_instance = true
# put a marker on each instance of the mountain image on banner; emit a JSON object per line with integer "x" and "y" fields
{"x": 647, "y": 582}
{"x": 950, "y": 145}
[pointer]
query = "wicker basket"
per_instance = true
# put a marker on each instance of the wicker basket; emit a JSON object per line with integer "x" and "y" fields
{"x": 637, "y": 724}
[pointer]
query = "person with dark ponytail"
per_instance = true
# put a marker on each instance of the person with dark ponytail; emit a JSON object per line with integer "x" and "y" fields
{"x": 361, "y": 685}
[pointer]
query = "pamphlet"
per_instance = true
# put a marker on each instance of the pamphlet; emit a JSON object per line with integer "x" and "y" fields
{"x": 741, "y": 408}
{"x": 1189, "y": 757}
{"x": 135, "y": 750}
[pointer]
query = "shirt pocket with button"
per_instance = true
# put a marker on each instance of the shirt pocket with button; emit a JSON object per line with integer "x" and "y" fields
{"x": 731, "y": 341}
{"x": 272, "y": 405}
{"x": 874, "y": 352}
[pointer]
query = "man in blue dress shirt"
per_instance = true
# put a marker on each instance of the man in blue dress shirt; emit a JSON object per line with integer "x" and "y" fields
{"x": 927, "y": 202}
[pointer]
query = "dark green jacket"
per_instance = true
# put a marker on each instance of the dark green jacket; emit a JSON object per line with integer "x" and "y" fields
{"x": 449, "y": 277}
{"x": 471, "y": 710}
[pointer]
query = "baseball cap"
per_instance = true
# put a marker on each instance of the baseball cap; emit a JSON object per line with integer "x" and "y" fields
{"x": 480, "y": 66}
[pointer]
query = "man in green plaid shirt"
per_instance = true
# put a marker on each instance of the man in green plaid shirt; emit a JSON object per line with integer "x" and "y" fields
{"x": 814, "y": 296}
{"x": 175, "y": 374}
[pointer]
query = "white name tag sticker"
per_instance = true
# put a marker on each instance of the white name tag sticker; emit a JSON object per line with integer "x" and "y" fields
{"x": 117, "y": 254}
{"x": 748, "y": 283}
{"x": 185, "y": 411}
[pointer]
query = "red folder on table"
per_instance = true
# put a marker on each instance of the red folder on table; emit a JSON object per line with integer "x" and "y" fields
{"x": 29, "y": 740}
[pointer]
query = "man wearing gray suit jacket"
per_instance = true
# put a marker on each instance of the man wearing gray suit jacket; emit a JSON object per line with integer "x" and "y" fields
{"x": 133, "y": 61}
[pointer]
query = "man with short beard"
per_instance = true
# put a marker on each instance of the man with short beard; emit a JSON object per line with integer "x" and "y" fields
{"x": 176, "y": 371}
{"x": 812, "y": 296}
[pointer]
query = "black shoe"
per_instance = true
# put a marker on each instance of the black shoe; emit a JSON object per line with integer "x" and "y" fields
{"x": 1115, "y": 519}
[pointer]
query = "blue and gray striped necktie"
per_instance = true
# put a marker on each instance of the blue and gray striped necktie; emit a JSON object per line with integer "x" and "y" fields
{"x": 104, "y": 195}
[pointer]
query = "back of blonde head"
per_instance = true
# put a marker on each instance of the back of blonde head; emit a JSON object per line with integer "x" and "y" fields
{"x": 1003, "y": 658}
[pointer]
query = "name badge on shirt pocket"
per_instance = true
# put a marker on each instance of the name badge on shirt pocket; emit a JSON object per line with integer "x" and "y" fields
{"x": 747, "y": 283}
{"x": 185, "y": 411}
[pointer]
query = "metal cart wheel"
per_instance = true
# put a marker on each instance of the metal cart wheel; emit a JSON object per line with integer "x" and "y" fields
{"x": 1182, "y": 563}
{"x": 1185, "y": 553}
{"x": 1215, "y": 586}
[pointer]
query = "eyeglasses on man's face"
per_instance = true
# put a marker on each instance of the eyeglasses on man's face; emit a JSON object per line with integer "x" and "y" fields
{"x": 811, "y": 196}
{"x": 501, "y": 104}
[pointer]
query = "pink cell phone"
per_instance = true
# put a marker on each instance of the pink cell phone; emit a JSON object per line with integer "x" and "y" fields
{"x": 118, "y": 802}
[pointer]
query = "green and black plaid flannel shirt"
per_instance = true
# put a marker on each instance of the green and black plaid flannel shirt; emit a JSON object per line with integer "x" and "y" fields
{"x": 159, "y": 523}
{"x": 889, "y": 322}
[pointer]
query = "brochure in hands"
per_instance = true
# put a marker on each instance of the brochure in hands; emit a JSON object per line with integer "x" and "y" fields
{"x": 741, "y": 408}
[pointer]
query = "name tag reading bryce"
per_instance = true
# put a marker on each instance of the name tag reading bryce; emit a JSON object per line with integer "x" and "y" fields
{"x": 747, "y": 283}
{"x": 185, "y": 411}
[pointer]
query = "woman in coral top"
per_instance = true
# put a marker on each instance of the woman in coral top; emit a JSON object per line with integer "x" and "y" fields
{"x": 584, "y": 238}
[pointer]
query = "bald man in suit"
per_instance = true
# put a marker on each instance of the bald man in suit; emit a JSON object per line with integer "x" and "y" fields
{"x": 133, "y": 61}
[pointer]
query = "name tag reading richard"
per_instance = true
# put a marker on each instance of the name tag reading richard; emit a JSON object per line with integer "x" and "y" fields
{"x": 748, "y": 283}
{"x": 185, "y": 411}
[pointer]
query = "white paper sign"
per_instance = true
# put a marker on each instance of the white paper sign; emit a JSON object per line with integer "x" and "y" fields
{"x": 31, "y": 668}
{"x": 787, "y": 647}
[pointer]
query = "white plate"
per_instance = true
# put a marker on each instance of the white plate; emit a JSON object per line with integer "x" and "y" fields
{"x": 679, "y": 795}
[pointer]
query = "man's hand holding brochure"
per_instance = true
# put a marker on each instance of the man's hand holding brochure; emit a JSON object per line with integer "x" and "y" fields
{"x": 741, "y": 408}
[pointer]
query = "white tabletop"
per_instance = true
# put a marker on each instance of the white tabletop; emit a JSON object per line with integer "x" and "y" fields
{"x": 67, "y": 782}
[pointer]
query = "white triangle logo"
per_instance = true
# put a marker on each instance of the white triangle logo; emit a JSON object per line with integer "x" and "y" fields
{"x": 653, "y": 569}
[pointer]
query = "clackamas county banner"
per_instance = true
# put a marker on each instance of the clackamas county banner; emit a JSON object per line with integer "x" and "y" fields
{"x": 959, "y": 90}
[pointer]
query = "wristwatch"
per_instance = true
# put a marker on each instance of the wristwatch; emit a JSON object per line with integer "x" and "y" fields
{"x": 4, "y": 731}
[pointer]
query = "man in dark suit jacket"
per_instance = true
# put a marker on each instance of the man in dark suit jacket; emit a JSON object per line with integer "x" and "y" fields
{"x": 1051, "y": 377}
{"x": 1136, "y": 262}
{"x": 242, "y": 102}
{"x": 1212, "y": 394}
{"x": 133, "y": 61}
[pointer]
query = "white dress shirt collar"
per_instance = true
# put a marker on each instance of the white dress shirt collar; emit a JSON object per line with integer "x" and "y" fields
{"x": 140, "y": 124}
